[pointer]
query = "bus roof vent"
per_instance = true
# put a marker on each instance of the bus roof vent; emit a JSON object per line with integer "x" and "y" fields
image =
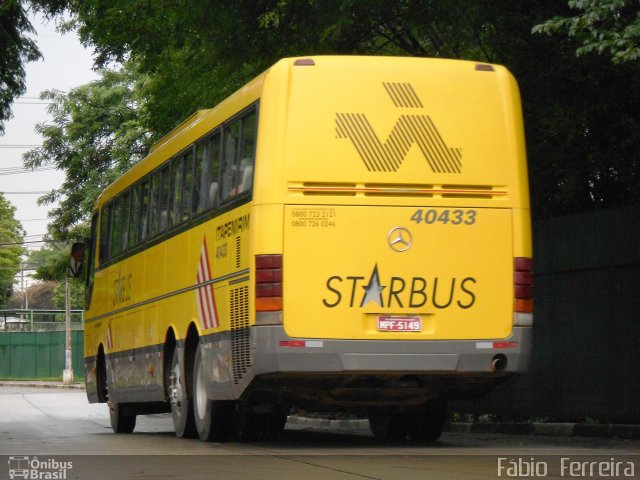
{"x": 304, "y": 62}
{"x": 484, "y": 67}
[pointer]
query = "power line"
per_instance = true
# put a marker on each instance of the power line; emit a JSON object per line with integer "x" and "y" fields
{"x": 39, "y": 192}
{"x": 19, "y": 172}
{"x": 10, "y": 244}
{"x": 19, "y": 146}
{"x": 18, "y": 102}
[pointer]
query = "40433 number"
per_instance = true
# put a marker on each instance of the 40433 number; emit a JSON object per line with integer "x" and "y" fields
{"x": 454, "y": 217}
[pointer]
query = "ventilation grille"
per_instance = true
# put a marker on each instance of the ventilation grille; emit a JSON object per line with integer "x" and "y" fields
{"x": 240, "y": 341}
{"x": 238, "y": 249}
{"x": 399, "y": 190}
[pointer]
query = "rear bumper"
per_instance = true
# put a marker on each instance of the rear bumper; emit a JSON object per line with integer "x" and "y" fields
{"x": 275, "y": 352}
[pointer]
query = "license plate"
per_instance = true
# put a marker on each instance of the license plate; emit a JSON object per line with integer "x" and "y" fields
{"x": 399, "y": 324}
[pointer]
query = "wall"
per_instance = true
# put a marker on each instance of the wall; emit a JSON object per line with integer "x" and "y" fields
{"x": 586, "y": 354}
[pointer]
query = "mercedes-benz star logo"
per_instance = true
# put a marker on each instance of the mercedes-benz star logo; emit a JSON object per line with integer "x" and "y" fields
{"x": 400, "y": 239}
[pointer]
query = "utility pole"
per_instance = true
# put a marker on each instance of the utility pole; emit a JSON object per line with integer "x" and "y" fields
{"x": 67, "y": 375}
{"x": 75, "y": 266}
{"x": 24, "y": 287}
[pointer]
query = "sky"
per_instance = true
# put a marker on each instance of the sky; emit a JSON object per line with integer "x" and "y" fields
{"x": 66, "y": 64}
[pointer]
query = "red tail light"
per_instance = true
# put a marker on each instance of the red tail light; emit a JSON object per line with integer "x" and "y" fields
{"x": 523, "y": 284}
{"x": 268, "y": 283}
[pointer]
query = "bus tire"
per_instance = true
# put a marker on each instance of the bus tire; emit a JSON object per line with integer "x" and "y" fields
{"x": 214, "y": 419}
{"x": 428, "y": 423}
{"x": 389, "y": 427}
{"x": 121, "y": 423}
{"x": 181, "y": 404}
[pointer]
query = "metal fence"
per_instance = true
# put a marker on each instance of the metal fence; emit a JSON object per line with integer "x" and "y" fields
{"x": 39, "y": 320}
{"x": 39, "y": 354}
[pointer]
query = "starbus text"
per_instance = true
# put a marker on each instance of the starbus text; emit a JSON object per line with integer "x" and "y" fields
{"x": 414, "y": 292}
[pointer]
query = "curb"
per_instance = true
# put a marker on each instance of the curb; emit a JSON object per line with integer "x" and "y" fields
{"x": 37, "y": 384}
{"x": 622, "y": 431}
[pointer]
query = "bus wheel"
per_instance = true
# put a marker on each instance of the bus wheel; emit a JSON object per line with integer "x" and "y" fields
{"x": 121, "y": 423}
{"x": 181, "y": 405}
{"x": 389, "y": 427}
{"x": 214, "y": 419}
{"x": 429, "y": 420}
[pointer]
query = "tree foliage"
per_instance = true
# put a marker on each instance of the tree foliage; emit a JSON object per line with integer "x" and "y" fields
{"x": 51, "y": 262}
{"x": 609, "y": 27}
{"x": 197, "y": 53}
{"x": 11, "y": 236}
{"x": 581, "y": 114}
{"x": 39, "y": 296}
{"x": 94, "y": 135}
{"x": 17, "y": 48}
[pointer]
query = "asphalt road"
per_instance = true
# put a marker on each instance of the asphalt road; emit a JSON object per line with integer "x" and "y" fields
{"x": 59, "y": 426}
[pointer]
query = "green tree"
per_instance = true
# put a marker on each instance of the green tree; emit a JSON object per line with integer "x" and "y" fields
{"x": 17, "y": 48}
{"x": 95, "y": 134}
{"x": 581, "y": 114}
{"x": 609, "y": 27}
{"x": 51, "y": 262}
{"x": 39, "y": 296}
{"x": 197, "y": 53}
{"x": 11, "y": 250}
{"x": 77, "y": 295}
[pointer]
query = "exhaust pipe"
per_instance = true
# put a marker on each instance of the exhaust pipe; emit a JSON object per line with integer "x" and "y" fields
{"x": 499, "y": 363}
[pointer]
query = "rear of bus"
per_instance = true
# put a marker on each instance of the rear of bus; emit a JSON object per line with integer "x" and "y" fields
{"x": 391, "y": 233}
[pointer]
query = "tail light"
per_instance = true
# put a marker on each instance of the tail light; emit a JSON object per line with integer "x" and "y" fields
{"x": 268, "y": 289}
{"x": 523, "y": 291}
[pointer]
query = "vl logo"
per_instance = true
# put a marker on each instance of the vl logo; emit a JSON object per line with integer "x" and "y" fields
{"x": 408, "y": 130}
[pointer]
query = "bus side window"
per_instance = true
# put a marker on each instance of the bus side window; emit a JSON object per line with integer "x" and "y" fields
{"x": 154, "y": 204}
{"x": 165, "y": 183}
{"x": 134, "y": 217}
{"x": 144, "y": 210}
{"x": 105, "y": 233}
{"x": 116, "y": 228}
{"x": 199, "y": 190}
{"x": 174, "y": 202}
{"x": 214, "y": 168}
{"x": 229, "y": 168}
{"x": 126, "y": 213}
{"x": 206, "y": 173}
{"x": 245, "y": 176}
{"x": 187, "y": 186}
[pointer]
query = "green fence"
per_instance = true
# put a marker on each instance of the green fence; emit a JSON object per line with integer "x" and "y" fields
{"x": 39, "y": 354}
{"x": 585, "y": 362}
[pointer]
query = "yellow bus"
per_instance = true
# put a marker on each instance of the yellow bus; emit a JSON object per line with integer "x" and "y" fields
{"x": 341, "y": 234}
